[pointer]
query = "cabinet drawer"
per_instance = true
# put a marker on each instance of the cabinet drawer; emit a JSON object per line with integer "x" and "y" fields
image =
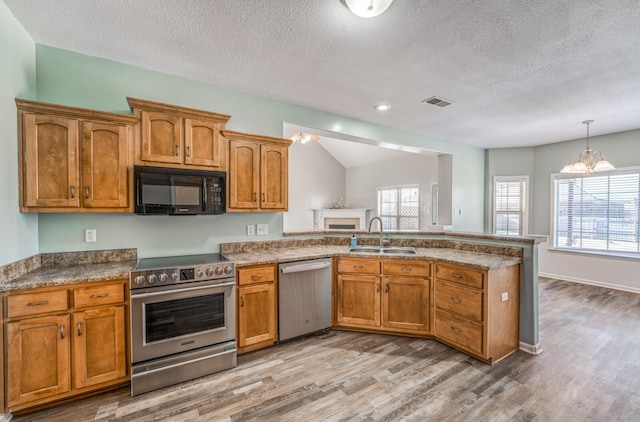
{"x": 37, "y": 303}
{"x": 263, "y": 274}
{"x": 359, "y": 266}
{"x": 407, "y": 268}
{"x": 462, "y": 275}
{"x": 459, "y": 331}
{"x": 105, "y": 294}
{"x": 461, "y": 300}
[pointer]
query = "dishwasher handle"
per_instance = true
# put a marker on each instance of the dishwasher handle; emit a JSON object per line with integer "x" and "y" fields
{"x": 297, "y": 268}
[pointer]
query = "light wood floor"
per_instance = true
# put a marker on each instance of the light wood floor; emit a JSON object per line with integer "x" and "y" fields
{"x": 589, "y": 371}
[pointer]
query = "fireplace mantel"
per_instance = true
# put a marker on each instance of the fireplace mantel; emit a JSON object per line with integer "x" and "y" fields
{"x": 341, "y": 218}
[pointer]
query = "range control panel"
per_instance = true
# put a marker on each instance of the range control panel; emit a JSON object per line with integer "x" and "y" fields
{"x": 168, "y": 276}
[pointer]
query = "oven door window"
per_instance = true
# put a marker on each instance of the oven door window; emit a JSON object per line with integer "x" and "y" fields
{"x": 182, "y": 317}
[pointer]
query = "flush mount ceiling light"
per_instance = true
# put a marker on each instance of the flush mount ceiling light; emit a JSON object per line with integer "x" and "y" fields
{"x": 303, "y": 138}
{"x": 382, "y": 107}
{"x": 367, "y": 8}
{"x": 589, "y": 161}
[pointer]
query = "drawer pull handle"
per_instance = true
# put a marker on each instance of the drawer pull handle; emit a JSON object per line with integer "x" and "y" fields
{"x": 377, "y": 287}
{"x": 62, "y": 331}
{"x": 241, "y": 301}
{"x": 264, "y": 197}
{"x": 386, "y": 288}
{"x": 86, "y": 192}
{"x": 256, "y": 276}
{"x": 79, "y": 329}
{"x": 73, "y": 192}
{"x": 406, "y": 269}
{"x": 456, "y": 330}
{"x": 455, "y": 275}
{"x": 358, "y": 267}
{"x": 188, "y": 151}
{"x": 99, "y": 296}
{"x": 44, "y": 302}
{"x": 255, "y": 196}
{"x": 456, "y": 299}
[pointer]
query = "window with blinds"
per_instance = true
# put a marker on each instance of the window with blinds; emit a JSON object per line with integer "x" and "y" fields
{"x": 598, "y": 213}
{"x": 399, "y": 207}
{"x": 509, "y": 205}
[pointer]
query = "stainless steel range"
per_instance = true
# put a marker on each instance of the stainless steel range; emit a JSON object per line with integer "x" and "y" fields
{"x": 182, "y": 319}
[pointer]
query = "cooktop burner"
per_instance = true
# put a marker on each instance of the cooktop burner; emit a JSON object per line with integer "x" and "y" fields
{"x": 175, "y": 270}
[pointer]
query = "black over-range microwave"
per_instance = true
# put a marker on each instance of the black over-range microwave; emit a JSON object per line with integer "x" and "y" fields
{"x": 172, "y": 191}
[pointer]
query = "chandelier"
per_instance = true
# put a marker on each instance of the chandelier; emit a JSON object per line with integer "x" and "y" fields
{"x": 589, "y": 161}
{"x": 367, "y": 8}
{"x": 303, "y": 138}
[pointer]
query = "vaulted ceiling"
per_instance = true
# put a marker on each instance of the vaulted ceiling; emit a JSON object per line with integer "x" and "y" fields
{"x": 519, "y": 73}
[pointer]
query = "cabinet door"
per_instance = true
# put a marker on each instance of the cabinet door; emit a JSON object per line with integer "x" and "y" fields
{"x": 37, "y": 358}
{"x": 257, "y": 314}
{"x": 406, "y": 303}
{"x": 161, "y": 138}
{"x": 203, "y": 144}
{"x": 358, "y": 300}
{"x": 51, "y": 165}
{"x": 274, "y": 177}
{"x": 99, "y": 346}
{"x": 104, "y": 166}
{"x": 244, "y": 174}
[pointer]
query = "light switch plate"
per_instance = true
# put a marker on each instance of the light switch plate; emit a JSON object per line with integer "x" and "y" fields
{"x": 262, "y": 229}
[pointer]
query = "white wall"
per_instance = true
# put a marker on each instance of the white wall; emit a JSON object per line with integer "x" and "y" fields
{"x": 316, "y": 179}
{"x": 18, "y": 232}
{"x": 363, "y": 181}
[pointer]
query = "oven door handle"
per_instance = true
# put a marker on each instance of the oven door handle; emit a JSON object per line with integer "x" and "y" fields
{"x": 188, "y": 289}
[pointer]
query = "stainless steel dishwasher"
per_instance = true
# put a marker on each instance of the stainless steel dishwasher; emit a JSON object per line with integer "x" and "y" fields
{"x": 304, "y": 293}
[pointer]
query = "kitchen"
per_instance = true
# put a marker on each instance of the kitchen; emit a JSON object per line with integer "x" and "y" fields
{"x": 30, "y": 234}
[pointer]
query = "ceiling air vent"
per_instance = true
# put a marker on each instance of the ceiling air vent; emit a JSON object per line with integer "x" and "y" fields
{"x": 440, "y": 102}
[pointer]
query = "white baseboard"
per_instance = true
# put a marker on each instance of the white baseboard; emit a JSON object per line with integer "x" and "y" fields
{"x": 592, "y": 282}
{"x": 532, "y": 349}
{"x": 5, "y": 417}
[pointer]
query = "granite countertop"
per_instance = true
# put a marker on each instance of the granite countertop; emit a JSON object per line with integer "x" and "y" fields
{"x": 61, "y": 275}
{"x": 472, "y": 259}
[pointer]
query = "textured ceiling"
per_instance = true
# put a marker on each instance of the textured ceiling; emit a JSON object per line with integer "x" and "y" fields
{"x": 520, "y": 73}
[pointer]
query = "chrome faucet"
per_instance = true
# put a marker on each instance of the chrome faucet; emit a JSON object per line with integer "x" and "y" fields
{"x": 381, "y": 231}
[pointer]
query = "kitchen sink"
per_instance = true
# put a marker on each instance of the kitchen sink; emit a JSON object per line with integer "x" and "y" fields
{"x": 387, "y": 250}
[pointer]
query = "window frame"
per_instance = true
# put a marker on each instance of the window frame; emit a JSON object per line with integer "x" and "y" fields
{"x": 524, "y": 213}
{"x": 587, "y": 250}
{"x": 397, "y": 215}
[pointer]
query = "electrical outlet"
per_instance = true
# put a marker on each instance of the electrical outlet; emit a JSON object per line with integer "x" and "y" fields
{"x": 263, "y": 229}
{"x": 251, "y": 230}
{"x": 90, "y": 235}
{"x": 505, "y": 296}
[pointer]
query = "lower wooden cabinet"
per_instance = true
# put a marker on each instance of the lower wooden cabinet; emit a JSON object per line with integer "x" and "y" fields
{"x": 99, "y": 346}
{"x": 257, "y": 307}
{"x": 38, "y": 358}
{"x": 473, "y": 310}
{"x": 64, "y": 341}
{"x": 392, "y": 295}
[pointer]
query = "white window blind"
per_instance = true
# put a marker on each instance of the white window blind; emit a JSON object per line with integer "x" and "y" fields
{"x": 597, "y": 212}
{"x": 509, "y": 204}
{"x": 399, "y": 207}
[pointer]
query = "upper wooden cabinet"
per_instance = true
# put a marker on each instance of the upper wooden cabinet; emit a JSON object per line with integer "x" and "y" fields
{"x": 258, "y": 172}
{"x": 73, "y": 159}
{"x": 173, "y": 136}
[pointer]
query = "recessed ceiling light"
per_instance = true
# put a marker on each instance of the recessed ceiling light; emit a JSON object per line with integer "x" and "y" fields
{"x": 382, "y": 107}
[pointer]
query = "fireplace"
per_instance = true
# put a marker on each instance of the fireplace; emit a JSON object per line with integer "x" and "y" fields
{"x": 341, "y": 218}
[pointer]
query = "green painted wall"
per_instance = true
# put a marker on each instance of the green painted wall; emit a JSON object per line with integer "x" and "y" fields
{"x": 69, "y": 78}
{"x": 18, "y": 232}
